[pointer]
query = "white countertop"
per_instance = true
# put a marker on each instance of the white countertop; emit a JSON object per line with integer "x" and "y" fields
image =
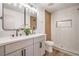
{"x": 8, "y": 40}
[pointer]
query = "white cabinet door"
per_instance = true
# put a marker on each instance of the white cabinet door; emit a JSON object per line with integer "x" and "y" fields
{"x": 16, "y": 53}
{"x": 37, "y": 51}
{"x": 2, "y": 51}
{"x": 42, "y": 47}
{"x": 0, "y": 9}
{"x": 39, "y": 46}
{"x": 29, "y": 51}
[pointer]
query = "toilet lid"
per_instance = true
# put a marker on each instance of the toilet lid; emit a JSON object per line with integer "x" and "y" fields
{"x": 50, "y": 43}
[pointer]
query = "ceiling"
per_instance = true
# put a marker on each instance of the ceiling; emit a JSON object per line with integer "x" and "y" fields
{"x": 51, "y": 7}
{"x": 56, "y": 6}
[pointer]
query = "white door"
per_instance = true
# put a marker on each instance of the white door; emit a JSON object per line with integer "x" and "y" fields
{"x": 29, "y": 51}
{"x": 16, "y": 53}
{"x": 37, "y": 51}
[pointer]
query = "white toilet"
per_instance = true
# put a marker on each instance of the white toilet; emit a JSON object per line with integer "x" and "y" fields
{"x": 49, "y": 46}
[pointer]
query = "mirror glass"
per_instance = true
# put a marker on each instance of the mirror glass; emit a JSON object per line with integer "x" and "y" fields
{"x": 13, "y": 16}
{"x": 31, "y": 18}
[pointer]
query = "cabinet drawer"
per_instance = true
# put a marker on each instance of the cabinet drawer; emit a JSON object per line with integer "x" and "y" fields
{"x": 16, "y": 53}
{"x": 1, "y": 50}
{"x": 40, "y": 38}
{"x": 18, "y": 45}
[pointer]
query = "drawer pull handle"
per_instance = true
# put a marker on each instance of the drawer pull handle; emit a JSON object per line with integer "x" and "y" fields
{"x": 40, "y": 44}
{"x": 22, "y": 53}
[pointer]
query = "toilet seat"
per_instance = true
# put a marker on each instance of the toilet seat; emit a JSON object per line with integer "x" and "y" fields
{"x": 49, "y": 46}
{"x": 49, "y": 43}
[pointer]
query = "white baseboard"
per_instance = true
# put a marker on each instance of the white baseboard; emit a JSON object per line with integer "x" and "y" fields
{"x": 68, "y": 52}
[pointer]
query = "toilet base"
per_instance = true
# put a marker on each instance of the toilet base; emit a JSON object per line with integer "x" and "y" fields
{"x": 47, "y": 53}
{"x": 49, "y": 46}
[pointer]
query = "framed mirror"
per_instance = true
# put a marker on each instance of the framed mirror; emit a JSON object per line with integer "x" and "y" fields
{"x": 13, "y": 16}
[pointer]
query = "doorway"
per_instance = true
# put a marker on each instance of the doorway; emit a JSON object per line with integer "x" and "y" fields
{"x": 48, "y": 25}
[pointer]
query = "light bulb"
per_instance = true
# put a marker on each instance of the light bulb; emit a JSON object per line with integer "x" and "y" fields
{"x": 20, "y": 6}
{"x": 14, "y": 4}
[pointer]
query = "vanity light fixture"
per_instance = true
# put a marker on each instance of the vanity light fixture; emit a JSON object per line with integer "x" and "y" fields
{"x": 9, "y": 3}
{"x": 14, "y": 4}
{"x": 20, "y": 6}
{"x": 27, "y": 6}
{"x": 32, "y": 9}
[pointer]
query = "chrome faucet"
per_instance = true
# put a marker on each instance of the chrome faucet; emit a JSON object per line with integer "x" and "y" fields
{"x": 17, "y": 30}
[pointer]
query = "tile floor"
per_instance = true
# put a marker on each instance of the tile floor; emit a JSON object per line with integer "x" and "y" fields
{"x": 57, "y": 53}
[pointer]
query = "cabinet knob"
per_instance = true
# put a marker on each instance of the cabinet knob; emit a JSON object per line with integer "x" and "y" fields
{"x": 1, "y": 17}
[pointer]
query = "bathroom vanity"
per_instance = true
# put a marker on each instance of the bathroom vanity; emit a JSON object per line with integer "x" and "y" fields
{"x": 31, "y": 45}
{"x": 14, "y": 18}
